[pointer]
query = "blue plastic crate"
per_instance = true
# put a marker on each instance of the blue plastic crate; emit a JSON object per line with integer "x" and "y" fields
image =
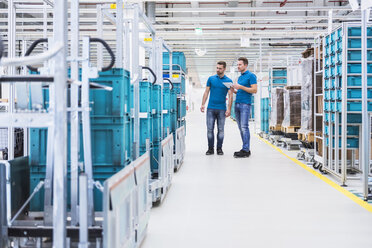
{"x": 327, "y": 51}
{"x": 333, "y": 94}
{"x": 357, "y": 106}
{"x": 280, "y": 81}
{"x": 327, "y": 106}
{"x": 326, "y": 117}
{"x": 326, "y": 130}
{"x": 327, "y": 73}
{"x": 328, "y": 39}
{"x": 357, "y": 93}
{"x": 354, "y": 31}
{"x": 156, "y": 98}
{"x": 333, "y": 71}
{"x": 339, "y": 95}
{"x": 145, "y": 97}
{"x": 333, "y": 37}
{"x": 357, "y": 81}
{"x": 338, "y": 70}
{"x": 333, "y": 118}
{"x": 326, "y": 84}
{"x": 352, "y": 130}
{"x": 178, "y": 58}
{"x": 354, "y": 68}
{"x": 339, "y": 34}
{"x": 354, "y": 118}
{"x": 338, "y": 58}
{"x": 332, "y": 60}
{"x": 332, "y": 49}
{"x": 327, "y": 95}
{"x": 279, "y": 73}
{"x": 357, "y": 43}
{"x": 145, "y": 131}
{"x": 339, "y": 46}
{"x": 327, "y": 62}
{"x": 156, "y": 129}
{"x": 115, "y": 102}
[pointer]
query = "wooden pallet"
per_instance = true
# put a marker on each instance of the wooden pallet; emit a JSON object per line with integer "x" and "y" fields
{"x": 276, "y": 128}
{"x": 290, "y": 129}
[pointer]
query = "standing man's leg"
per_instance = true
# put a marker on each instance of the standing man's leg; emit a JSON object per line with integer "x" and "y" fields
{"x": 221, "y": 127}
{"x": 210, "y": 133}
{"x": 243, "y": 123}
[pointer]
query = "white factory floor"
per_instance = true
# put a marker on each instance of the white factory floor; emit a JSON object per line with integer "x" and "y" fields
{"x": 265, "y": 201}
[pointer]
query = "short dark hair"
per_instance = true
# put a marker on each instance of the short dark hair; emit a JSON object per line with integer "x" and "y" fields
{"x": 223, "y": 63}
{"x": 245, "y": 60}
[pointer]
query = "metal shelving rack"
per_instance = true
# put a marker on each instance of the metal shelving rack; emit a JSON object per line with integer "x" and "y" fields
{"x": 318, "y": 97}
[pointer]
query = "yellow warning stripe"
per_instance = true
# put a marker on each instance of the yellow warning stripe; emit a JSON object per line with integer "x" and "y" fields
{"x": 347, "y": 193}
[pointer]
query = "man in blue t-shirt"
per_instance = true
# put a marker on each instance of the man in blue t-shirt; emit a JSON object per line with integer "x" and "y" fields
{"x": 244, "y": 88}
{"x": 217, "y": 106}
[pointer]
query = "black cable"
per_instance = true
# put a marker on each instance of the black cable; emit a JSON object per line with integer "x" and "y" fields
{"x": 152, "y": 72}
{"x": 31, "y": 48}
{"x": 108, "y": 50}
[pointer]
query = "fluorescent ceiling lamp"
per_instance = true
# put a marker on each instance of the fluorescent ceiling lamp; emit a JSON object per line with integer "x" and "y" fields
{"x": 245, "y": 41}
{"x": 198, "y": 31}
{"x": 354, "y": 4}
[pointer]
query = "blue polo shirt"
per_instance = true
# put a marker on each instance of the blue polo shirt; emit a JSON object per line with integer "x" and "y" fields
{"x": 246, "y": 79}
{"x": 218, "y": 92}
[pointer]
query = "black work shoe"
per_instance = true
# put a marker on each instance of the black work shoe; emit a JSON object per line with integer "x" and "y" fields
{"x": 242, "y": 154}
{"x": 219, "y": 151}
{"x": 210, "y": 151}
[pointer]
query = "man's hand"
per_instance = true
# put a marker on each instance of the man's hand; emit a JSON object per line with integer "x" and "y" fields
{"x": 236, "y": 86}
{"x": 227, "y": 113}
{"x": 202, "y": 108}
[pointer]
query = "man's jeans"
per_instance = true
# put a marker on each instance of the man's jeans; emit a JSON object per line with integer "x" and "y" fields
{"x": 212, "y": 116}
{"x": 242, "y": 113}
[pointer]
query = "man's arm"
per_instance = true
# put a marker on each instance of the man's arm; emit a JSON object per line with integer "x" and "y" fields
{"x": 252, "y": 89}
{"x": 228, "y": 111}
{"x": 205, "y": 97}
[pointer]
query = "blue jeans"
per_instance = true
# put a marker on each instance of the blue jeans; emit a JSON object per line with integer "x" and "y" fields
{"x": 242, "y": 113}
{"x": 212, "y": 116}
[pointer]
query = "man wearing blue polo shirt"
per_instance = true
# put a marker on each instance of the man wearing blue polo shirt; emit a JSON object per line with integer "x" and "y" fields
{"x": 245, "y": 87}
{"x": 217, "y": 106}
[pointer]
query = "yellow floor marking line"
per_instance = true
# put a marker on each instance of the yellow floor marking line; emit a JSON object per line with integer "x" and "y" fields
{"x": 347, "y": 193}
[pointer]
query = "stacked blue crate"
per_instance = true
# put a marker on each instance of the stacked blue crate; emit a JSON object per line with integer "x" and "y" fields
{"x": 156, "y": 126}
{"x": 167, "y": 109}
{"x": 265, "y": 114}
{"x": 146, "y": 118}
{"x": 343, "y": 48}
{"x": 109, "y": 116}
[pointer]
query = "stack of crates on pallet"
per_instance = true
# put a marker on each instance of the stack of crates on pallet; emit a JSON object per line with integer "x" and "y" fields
{"x": 156, "y": 126}
{"x": 110, "y": 123}
{"x": 265, "y": 109}
{"x": 343, "y": 88}
{"x": 178, "y": 78}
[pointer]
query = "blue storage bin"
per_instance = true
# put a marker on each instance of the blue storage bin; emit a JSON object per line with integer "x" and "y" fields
{"x": 338, "y": 58}
{"x": 327, "y": 51}
{"x": 279, "y": 73}
{"x": 115, "y": 102}
{"x": 327, "y": 62}
{"x": 352, "y": 142}
{"x": 354, "y": 68}
{"x": 357, "y": 106}
{"x": 327, "y": 106}
{"x": 332, "y": 49}
{"x": 339, "y": 46}
{"x": 357, "y": 93}
{"x": 333, "y": 106}
{"x": 327, "y": 73}
{"x": 339, "y": 34}
{"x": 327, "y": 95}
{"x": 333, "y": 83}
{"x": 326, "y": 84}
{"x": 339, "y": 95}
{"x": 352, "y": 130}
{"x": 333, "y": 71}
{"x": 354, "y": 55}
{"x": 354, "y": 118}
{"x": 332, "y": 60}
{"x": 357, "y": 43}
{"x": 338, "y": 70}
{"x": 333, "y": 37}
{"x": 354, "y": 31}
{"x": 326, "y": 130}
{"x": 178, "y": 58}
{"x": 145, "y": 97}
{"x": 333, "y": 95}
{"x": 326, "y": 117}
{"x": 357, "y": 81}
{"x": 279, "y": 81}
{"x": 328, "y": 39}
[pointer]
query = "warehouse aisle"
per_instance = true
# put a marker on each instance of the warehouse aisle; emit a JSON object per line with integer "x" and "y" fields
{"x": 263, "y": 201}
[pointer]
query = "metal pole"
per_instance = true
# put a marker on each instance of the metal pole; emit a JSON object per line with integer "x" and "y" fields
{"x": 136, "y": 75}
{"x": 83, "y": 215}
{"x": 100, "y": 35}
{"x": 74, "y": 113}
{"x": 365, "y": 128}
{"x": 86, "y": 128}
{"x": 59, "y": 142}
{"x": 11, "y": 71}
{"x": 119, "y": 33}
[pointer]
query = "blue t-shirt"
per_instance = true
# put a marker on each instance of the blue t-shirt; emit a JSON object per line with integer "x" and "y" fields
{"x": 246, "y": 79}
{"x": 218, "y": 92}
